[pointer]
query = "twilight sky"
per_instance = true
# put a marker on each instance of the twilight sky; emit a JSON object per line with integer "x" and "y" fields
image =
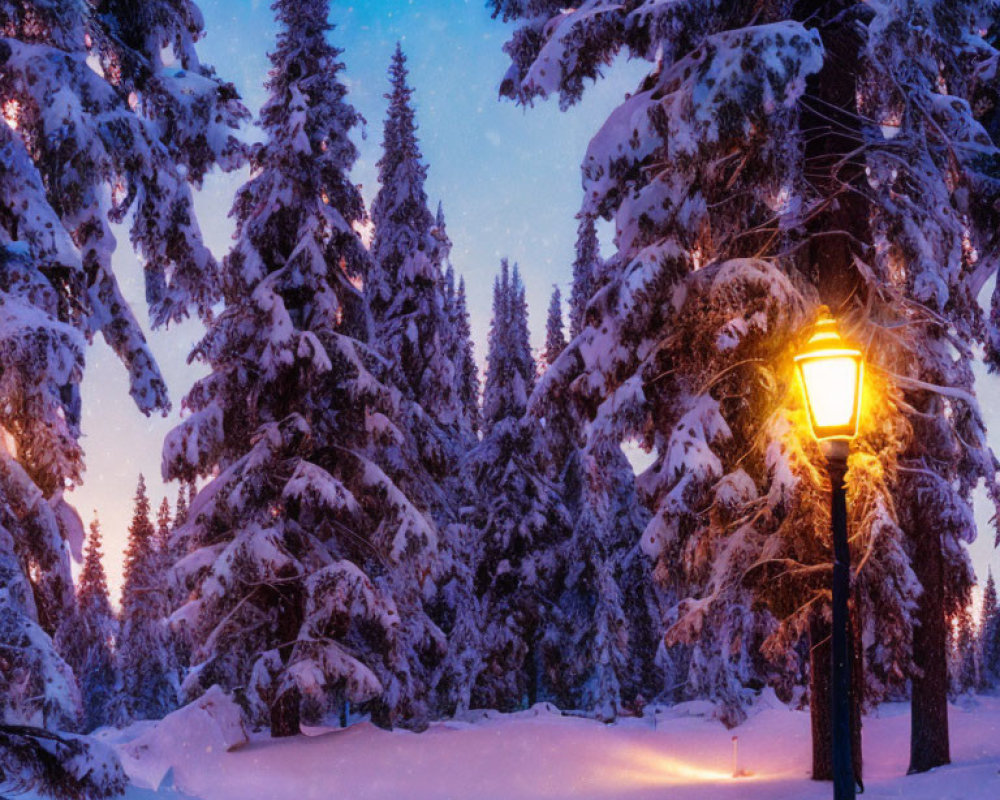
{"x": 509, "y": 179}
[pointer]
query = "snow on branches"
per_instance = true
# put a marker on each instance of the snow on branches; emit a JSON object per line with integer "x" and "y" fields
{"x": 307, "y": 563}
{"x": 719, "y": 174}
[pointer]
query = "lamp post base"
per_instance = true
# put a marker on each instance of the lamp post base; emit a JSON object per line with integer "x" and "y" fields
{"x": 836, "y": 452}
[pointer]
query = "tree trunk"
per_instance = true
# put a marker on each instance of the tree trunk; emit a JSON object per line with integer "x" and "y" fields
{"x": 285, "y": 713}
{"x": 285, "y": 708}
{"x": 381, "y": 715}
{"x": 929, "y": 697}
{"x": 838, "y": 232}
{"x": 820, "y": 656}
{"x": 531, "y": 668}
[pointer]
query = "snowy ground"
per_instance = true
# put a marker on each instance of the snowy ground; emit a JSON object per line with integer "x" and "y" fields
{"x": 540, "y": 754}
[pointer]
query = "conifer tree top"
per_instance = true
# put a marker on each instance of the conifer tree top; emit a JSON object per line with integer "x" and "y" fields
{"x": 296, "y": 214}
{"x": 989, "y": 594}
{"x": 510, "y": 376}
{"x": 404, "y": 247}
{"x": 139, "y": 548}
{"x": 585, "y": 265}
{"x": 93, "y": 586}
{"x": 142, "y": 506}
{"x": 399, "y": 138}
{"x": 555, "y": 339}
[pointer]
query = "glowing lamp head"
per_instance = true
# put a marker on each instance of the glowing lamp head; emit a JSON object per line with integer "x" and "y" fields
{"x": 831, "y": 374}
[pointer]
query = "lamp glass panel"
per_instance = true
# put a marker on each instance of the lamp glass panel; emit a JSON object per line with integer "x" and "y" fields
{"x": 831, "y": 387}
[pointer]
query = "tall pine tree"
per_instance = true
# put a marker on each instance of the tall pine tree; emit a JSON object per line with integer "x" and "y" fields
{"x": 989, "y": 636}
{"x": 468, "y": 370}
{"x": 406, "y": 290}
{"x": 163, "y": 525}
{"x": 555, "y": 336}
{"x": 460, "y": 350}
{"x": 87, "y": 637}
{"x": 517, "y": 512}
{"x": 145, "y": 653}
{"x": 964, "y": 663}
{"x": 307, "y": 563}
{"x": 600, "y": 639}
{"x": 585, "y": 270}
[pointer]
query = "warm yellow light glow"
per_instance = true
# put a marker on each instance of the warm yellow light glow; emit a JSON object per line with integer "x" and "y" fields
{"x": 831, "y": 386}
{"x": 831, "y": 375}
{"x": 660, "y": 770}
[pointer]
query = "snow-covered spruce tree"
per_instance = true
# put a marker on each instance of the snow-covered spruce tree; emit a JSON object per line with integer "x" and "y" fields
{"x": 586, "y": 266}
{"x": 468, "y": 371}
{"x": 461, "y": 350}
{"x": 591, "y": 656}
{"x": 555, "y": 336}
{"x": 161, "y": 539}
{"x": 458, "y": 611}
{"x": 86, "y": 638}
{"x": 561, "y": 429}
{"x": 405, "y": 287}
{"x": 517, "y": 513}
{"x": 750, "y": 176}
{"x": 963, "y": 661}
{"x": 989, "y": 637}
{"x": 168, "y": 551}
{"x": 600, "y": 638}
{"x": 455, "y": 607}
{"x": 144, "y": 653}
{"x": 306, "y": 563}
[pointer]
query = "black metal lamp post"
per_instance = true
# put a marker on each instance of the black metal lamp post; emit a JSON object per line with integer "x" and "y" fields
{"x": 831, "y": 373}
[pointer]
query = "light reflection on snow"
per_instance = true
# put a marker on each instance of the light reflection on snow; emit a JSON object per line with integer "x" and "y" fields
{"x": 645, "y": 767}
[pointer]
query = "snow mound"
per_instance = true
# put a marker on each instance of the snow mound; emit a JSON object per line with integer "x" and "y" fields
{"x": 199, "y": 731}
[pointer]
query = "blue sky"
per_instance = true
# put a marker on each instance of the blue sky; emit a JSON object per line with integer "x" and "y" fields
{"x": 509, "y": 179}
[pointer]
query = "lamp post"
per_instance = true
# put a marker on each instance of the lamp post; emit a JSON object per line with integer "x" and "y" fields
{"x": 831, "y": 373}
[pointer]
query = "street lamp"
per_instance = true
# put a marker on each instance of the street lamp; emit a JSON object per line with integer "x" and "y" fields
{"x": 831, "y": 373}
